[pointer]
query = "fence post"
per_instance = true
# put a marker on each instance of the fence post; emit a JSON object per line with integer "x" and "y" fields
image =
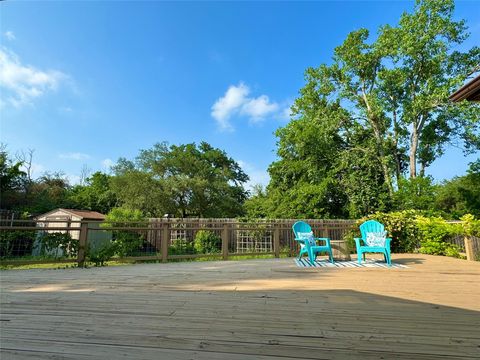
{"x": 225, "y": 242}
{"x": 276, "y": 241}
{"x": 165, "y": 241}
{"x": 469, "y": 248}
{"x": 82, "y": 244}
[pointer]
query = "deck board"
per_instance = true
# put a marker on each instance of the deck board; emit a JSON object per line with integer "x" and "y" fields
{"x": 253, "y": 309}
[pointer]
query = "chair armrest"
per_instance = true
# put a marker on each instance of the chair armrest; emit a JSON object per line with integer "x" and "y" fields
{"x": 327, "y": 240}
{"x": 358, "y": 242}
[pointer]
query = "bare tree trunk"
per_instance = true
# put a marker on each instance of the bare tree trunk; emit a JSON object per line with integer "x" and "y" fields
{"x": 422, "y": 169}
{"x": 383, "y": 160}
{"x": 398, "y": 165}
{"x": 380, "y": 141}
{"x": 413, "y": 152}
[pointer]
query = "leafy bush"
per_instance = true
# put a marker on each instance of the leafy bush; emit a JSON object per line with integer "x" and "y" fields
{"x": 207, "y": 242}
{"x": 127, "y": 242}
{"x": 411, "y": 231}
{"x": 400, "y": 225}
{"x": 101, "y": 255}
{"x": 58, "y": 244}
{"x": 181, "y": 247}
{"x": 434, "y": 233}
{"x": 16, "y": 243}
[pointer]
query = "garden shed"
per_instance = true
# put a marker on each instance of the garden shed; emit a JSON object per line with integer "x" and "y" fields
{"x": 71, "y": 218}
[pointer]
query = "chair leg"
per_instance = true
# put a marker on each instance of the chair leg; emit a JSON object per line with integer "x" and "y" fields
{"x": 330, "y": 255}
{"x": 359, "y": 255}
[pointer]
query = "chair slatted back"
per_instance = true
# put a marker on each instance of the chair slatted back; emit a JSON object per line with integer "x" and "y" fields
{"x": 370, "y": 226}
{"x": 302, "y": 227}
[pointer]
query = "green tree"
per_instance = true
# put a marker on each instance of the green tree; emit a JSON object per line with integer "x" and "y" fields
{"x": 184, "y": 180}
{"x": 303, "y": 181}
{"x": 416, "y": 193}
{"x": 397, "y": 87}
{"x": 95, "y": 195}
{"x": 461, "y": 195}
{"x": 377, "y": 110}
{"x": 48, "y": 192}
{"x": 12, "y": 180}
{"x": 426, "y": 70}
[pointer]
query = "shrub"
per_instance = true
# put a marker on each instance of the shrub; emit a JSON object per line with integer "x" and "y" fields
{"x": 411, "y": 231}
{"x": 53, "y": 243}
{"x": 400, "y": 225}
{"x": 127, "y": 242}
{"x": 207, "y": 242}
{"x": 16, "y": 243}
{"x": 101, "y": 255}
{"x": 181, "y": 247}
{"x": 434, "y": 233}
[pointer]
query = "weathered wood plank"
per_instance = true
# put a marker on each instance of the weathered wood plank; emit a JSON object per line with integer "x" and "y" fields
{"x": 260, "y": 309}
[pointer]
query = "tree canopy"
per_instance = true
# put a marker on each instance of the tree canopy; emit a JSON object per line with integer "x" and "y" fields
{"x": 362, "y": 124}
{"x": 181, "y": 180}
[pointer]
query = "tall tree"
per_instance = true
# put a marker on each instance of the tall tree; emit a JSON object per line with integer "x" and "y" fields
{"x": 96, "y": 194}
{"x": 190, "y": 180}
{"x": 427, "y": 70}
{"x": 12, "y": 179}
{"x": 398, "y": 85}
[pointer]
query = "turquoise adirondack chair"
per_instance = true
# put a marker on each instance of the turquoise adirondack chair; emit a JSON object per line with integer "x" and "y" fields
{"x": 376, "y": 227}
{"x": 305, "y": 247}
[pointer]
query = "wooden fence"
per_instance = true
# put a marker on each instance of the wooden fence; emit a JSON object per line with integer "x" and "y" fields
{"x": 167, "y": 239}
{"x": 172, "y": 239}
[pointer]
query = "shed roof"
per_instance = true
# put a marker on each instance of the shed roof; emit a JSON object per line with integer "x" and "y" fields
{"x": 470, "y": 91}
{"x": 84, "y": 214}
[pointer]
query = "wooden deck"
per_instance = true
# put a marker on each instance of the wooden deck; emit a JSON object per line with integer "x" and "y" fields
{"x": 255, "y": 309}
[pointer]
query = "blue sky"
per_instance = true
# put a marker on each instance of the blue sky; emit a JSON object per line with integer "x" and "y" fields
{"x": 89, "y": 82}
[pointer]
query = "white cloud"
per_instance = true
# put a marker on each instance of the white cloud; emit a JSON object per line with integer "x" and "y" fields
{"x": 107, "y": 164}
{"x": 74, "y": 156}
{"x": 24, "y": 83}
{"x": 230, "y": 103}
{"x": 10, "y": 35}
{"x": 237, "y": 102}
{"x": 286, "y": 112}
{"x": 258, "y": 108}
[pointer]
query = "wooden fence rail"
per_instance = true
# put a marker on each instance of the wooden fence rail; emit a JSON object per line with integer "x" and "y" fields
{"x": 173, "y": 239}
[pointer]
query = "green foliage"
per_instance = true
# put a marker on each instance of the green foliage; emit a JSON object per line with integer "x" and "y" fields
{"x": 96, "y": 195}
{"x": 401, "y": 227}
{"x": 415, "y": 193}
{"x": 16, "y": 243}
{"x": 184, "y": 180}
{"x": 11, "y": 180}
{"x": 126, "y": 242}
{"x": 48, "y": 192}
{"x": 181, "y": 247}
{"x": 102, "y": 254}
{"x": 381, "y": 103}
{"x": 58, "y": 244}
{"x": 207, "y": 242}
{"x": 411, "y": 231}
{"x": 461, "y": 195}
{"x": 434, "y": 233}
